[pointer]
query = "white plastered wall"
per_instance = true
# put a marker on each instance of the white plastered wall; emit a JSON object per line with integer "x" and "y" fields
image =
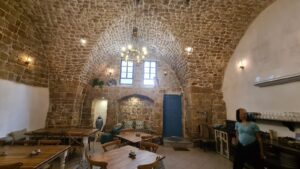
{"x": 22, "y": 106}
{"x": 269, "y": 48}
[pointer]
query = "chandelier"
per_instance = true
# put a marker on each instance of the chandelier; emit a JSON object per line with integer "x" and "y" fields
{"x": 134, "y": 52}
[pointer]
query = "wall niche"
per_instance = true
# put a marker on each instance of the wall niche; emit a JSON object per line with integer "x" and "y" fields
{"x": 136, "y": 107}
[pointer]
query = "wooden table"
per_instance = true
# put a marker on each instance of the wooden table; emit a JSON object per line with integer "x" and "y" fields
{"x": 118, "y": 158}
{"x": 22, "y": 154}
{"x": 132, "y": 137}
{"x": 65, "y": 133}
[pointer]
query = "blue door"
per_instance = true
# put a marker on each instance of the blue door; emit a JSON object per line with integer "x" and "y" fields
{"x": 172, "y": 122}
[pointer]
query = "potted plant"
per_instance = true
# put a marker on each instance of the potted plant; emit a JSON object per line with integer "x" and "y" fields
{"x": 97, "y": 83}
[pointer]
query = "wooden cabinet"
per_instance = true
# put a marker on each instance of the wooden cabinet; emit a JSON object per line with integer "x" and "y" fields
{"x": 279, "y": 156}
{"x": 222, "y": 143}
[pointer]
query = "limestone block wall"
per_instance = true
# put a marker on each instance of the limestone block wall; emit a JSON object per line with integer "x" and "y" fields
{"x": 203, "y": 106}
{"x": 115, "y": 95}
{"x": 66, "y": 100}
{"x": 212, "y": 27}
{"x": 19, "y": 39}
{"x": 136, "y": 107}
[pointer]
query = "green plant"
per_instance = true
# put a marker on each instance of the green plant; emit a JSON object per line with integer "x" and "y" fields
{"x": 97, "y": 82}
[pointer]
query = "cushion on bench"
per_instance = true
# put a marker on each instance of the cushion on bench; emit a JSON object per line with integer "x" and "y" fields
{"x": 18, "y": 135}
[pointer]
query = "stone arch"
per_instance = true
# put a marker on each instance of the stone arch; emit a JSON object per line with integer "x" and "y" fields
{"x": 137, "y": 108}
{"x": 152, "y": 32}
{"x": 137, "y": 95}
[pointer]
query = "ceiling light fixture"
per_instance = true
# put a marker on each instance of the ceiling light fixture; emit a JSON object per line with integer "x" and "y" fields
{"x": 134, "y": 52}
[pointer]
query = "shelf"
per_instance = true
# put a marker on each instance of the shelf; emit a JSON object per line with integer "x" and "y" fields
{"x": 278, "y": 80}
{"x": 289, "y": 124}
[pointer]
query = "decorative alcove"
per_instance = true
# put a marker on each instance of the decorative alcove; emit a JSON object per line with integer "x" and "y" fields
{"x": 136, "y": 107}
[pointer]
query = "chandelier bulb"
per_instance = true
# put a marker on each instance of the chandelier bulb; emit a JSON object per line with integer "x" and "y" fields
{"x": 129, "y": 47}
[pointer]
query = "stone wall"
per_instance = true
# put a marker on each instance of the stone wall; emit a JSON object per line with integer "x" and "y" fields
{"x": 203, "y": 106}
{"x": 66, "y": 100}
{"x": 168, "y": 83}
{"x": 18, "y": 40}
{"x": 137, "y": 107}
{"x": 212, "y": 27}
{"x": 269, "y": 49}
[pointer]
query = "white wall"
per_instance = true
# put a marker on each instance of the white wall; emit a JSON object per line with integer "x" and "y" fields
{"x": 22, "y": 106}
{"x": 270, "y": 47}
{"x": 99, "y": 108}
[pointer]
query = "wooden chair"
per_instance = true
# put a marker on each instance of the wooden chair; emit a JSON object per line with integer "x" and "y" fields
{"x": 97, "y": 136}
{"x": 75, "y": 141}
{"x": 147, "y": 138}
{"x": 49, "y": 142}
{"x": 114, "y": 144}
{"x": 205, "y": 136}
{"x": 101, "y": 164}
{"x": 75, "y": 138}
{"x": 11, "y": 166}
{"x": 153, "y": 165}
{"x": 2, "y": 142}
{"x": 149, "y": 146}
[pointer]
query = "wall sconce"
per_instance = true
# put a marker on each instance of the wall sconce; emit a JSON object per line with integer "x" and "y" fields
{"x": 26, "y": 59}
{"x": 110, "y": 72}
{"x": 189, "y": 50}
{"x": 241, "y": 64}
{"x": 165, "y": 73}
{"x": 83, "y": 41}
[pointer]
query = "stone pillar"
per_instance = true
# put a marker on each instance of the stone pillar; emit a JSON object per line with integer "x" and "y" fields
{"x": 203, "y": 106}
{"x": 66, "y": 99}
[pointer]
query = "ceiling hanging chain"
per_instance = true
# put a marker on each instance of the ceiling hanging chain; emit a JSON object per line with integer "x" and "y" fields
{"x": 135, "y": 50}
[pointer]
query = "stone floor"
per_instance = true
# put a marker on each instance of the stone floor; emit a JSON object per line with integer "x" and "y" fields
{"x": 196, "y": 158}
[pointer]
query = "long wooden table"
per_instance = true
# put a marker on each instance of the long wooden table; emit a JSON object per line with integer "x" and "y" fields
{"x": 119, "y": 158}
{"x": 22, "y": 154}
{"x": 132, "y": 136}
{"x": 65, "y": 133}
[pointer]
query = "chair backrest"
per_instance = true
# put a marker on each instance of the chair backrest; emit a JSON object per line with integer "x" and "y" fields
{"x": 153, "y": 165}
{"x": 149, "y": 146}
{"x": 204, "y": 131}
{"x": 49, "y": 142}
{"x": 74, "y": 138}
{"x": 11, "y": 166}
{"x": 114, "y": 144}
{"x": 101, "y": 164}
{"x": 147, "y": 138}
{"x": 2, "y": 142}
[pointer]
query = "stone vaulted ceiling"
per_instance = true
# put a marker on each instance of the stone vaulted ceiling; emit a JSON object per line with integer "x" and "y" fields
{"x": 212, "y": 27}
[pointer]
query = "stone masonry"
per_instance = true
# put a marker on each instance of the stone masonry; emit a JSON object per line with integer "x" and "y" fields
{"x": 18, "y": 40}
{"x": 120, "y": 97}
{"x": 50, "y": 30}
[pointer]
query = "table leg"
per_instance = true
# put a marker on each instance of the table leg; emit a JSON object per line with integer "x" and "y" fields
{"x": 63, "y": 159}
{"x": 85, "y": 141}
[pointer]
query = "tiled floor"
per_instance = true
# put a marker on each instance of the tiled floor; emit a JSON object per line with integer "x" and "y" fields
{"x": 196, "y": 158}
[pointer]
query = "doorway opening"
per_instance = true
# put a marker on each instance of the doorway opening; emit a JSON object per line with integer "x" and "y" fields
{"x": 99, "y": 109}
